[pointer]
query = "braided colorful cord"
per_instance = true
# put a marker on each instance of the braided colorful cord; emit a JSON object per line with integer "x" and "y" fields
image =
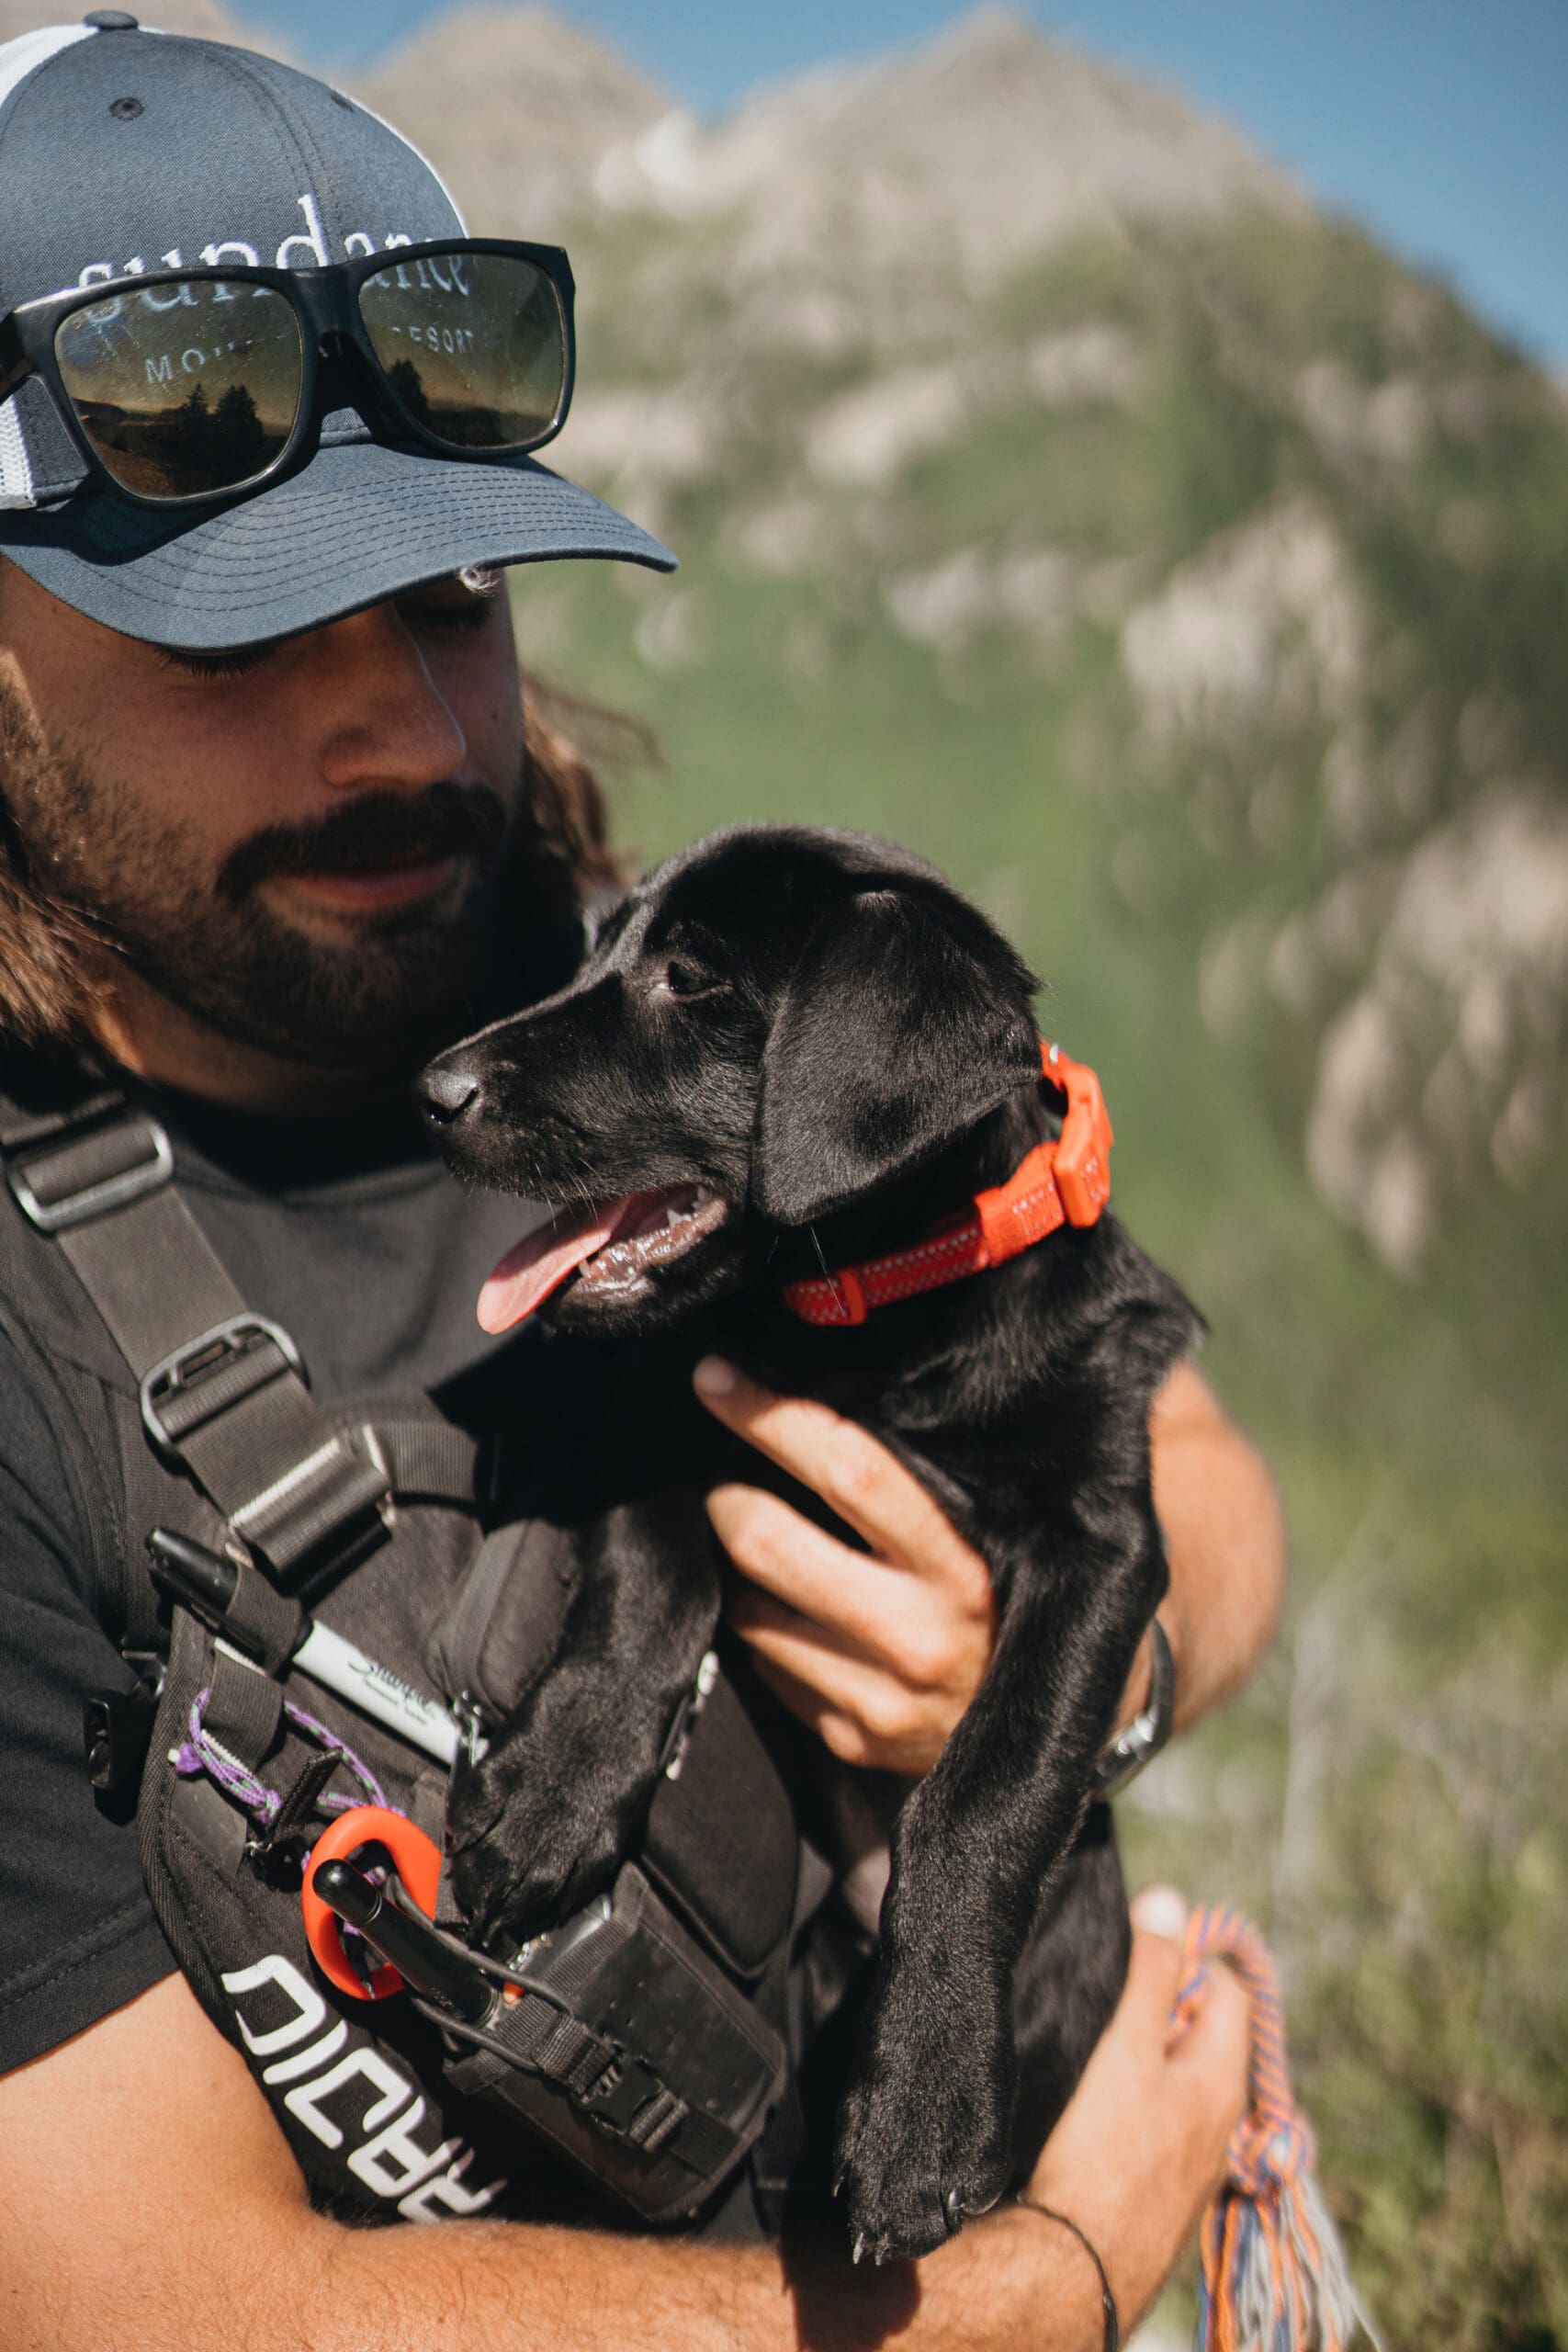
{"x": 1274, "y": 2273}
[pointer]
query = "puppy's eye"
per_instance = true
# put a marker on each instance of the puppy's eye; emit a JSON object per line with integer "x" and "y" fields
{"x": 684, "y": 980}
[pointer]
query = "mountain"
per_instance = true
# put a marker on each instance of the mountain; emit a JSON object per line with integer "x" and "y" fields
{"x": 520, "y": 108}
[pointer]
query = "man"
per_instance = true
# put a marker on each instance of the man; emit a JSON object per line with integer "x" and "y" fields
{"x": 270, "y": 829}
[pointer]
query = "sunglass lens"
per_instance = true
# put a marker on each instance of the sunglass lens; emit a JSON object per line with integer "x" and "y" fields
{"x": 186, "y": 389}
{"x": 473, "y": 346}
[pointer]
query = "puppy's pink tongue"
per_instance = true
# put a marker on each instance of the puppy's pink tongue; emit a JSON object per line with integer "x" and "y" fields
{"x": 541, "y": 1260}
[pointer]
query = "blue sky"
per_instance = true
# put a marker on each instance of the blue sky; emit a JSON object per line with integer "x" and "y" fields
{"x": 1440, "y": 123}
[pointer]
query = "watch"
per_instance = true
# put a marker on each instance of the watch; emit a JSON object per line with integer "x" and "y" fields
{"x": 1124, "y": 1757}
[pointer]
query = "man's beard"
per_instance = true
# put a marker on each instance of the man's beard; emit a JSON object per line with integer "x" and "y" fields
{"x": 408, "y": 979}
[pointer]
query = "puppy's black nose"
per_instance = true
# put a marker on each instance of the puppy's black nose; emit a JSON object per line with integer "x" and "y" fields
{"x": 444, "y": 1094}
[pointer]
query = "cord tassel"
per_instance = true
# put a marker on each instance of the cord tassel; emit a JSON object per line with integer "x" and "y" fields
{"x": 1275, "y": 2278}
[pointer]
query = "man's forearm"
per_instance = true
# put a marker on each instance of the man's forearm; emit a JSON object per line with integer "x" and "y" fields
{"x": 1005, "y": 2282}
{"x": 1224, "y": 1544}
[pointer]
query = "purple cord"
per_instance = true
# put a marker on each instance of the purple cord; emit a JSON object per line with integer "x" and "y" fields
{"x": 199, "y": 1752}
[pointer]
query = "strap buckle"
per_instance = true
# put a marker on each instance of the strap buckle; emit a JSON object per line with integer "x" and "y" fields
{"x": 208, "y": 1374}
{"x": 622, "y": 2093}
{"x": 102, "y": 1192}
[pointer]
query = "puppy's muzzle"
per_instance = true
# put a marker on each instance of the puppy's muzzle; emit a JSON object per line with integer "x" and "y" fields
{"x": 445, "y": 1092}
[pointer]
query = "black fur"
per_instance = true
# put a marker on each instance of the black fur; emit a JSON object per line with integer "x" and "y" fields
{"x": 817, "y": 1025}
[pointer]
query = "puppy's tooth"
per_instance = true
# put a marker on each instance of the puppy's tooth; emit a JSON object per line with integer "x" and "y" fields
{"x": 859, "y": 2247}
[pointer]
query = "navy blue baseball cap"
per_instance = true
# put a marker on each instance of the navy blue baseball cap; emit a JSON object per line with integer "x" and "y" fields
{"x": 125, "y": 150}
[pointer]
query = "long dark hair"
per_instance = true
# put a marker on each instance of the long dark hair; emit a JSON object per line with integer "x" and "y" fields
{"x": 50, "y": 951}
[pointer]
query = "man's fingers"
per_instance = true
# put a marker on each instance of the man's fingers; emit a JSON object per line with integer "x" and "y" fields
{"x": 863, "y": 1711}
{"x": 1219, "y": 2040}
{"x": 871, "y": 1492}
{"x": 859, "y": 1600}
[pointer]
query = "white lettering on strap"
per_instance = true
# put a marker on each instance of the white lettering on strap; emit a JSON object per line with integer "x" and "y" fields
{"x": 392, "y": 2163}
{"x": 305, "y": 2100}
{"x": 305, "y": 2062}
{"x": 447, "y": 2191}
{"x": 426, "y": 2184}
{"x": 311, "y": 2008}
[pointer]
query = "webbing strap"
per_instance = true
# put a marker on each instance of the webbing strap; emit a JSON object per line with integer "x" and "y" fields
{"x": 599, "y": 2076}
{"x": 221, "y": 1390}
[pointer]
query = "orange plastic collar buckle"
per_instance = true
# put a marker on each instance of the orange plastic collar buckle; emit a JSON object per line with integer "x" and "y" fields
{"x": 1083, "y": 1148}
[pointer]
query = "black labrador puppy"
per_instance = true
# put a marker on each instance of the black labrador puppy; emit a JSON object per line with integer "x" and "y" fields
{"x": 789, "y": 1052}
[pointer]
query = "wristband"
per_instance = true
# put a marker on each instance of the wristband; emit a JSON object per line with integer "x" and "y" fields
{"x": 1127, "y": 1754}
{"x": 1108, "y": 2301}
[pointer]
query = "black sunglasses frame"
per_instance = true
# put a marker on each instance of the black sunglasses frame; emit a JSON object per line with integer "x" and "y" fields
{"x": 326, "y": 308}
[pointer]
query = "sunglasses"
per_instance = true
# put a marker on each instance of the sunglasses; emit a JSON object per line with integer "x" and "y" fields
{"x": 182, "y": 386}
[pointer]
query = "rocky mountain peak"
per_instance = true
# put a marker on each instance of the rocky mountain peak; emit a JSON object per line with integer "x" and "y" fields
{"x": 519, "y": 107}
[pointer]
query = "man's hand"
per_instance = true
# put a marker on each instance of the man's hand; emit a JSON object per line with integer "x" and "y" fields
{"x": 882, "y": 1654}
{"x": 1142, "y": 2143}
{"x": 879, "y": 1652}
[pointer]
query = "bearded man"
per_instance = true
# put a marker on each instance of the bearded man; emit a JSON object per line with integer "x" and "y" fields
{"x": 276, "y": 821}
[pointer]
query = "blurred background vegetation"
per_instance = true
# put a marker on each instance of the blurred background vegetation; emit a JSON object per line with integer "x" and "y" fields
{"x": 1058, "y": 491}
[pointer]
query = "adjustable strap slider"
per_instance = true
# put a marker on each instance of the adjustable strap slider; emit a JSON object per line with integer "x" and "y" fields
{"x": 91, "y": 1174}
{"x": 211, "y": 1373}
{"x": 338, "y": 1498}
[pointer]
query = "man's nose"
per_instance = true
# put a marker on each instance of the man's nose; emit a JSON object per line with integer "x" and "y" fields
{"x": 386, "y": 721}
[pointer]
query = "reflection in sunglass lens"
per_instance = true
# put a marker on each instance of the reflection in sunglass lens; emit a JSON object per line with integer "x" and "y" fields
{"x": 473, "y": 346}
{"x": 187, "y": 390}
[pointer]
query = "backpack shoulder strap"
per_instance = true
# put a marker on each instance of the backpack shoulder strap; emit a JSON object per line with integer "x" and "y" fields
{"x": 222, "y": 1392}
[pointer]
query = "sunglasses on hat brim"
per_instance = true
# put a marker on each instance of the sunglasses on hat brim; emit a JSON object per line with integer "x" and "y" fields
{"x": 182, "y": 387}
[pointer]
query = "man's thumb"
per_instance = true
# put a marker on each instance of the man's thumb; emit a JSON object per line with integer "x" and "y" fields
{"x": 1153, "y": 1969}
{"x": 1160, "y": 1911}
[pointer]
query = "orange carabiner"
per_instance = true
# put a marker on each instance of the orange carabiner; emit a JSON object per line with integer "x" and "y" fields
{"x": 414, "y": 1857}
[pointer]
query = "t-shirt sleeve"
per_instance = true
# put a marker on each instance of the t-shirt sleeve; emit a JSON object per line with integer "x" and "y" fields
{"x": 78, "y": 1937}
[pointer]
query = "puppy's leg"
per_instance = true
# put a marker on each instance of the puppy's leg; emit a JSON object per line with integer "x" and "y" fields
{"x": 540, "y": 1825}
{"x": 926, "y": 2133}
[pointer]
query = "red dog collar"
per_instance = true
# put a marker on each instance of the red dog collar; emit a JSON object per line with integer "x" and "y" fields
{"x": 1064, "y": 1180}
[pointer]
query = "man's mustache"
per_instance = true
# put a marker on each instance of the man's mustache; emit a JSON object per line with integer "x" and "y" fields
{"x": 374, "y": 833}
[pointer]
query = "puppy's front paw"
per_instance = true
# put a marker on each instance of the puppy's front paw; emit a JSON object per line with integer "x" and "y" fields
{"x": 522, "y": 1856}
{"x": 923, "y": 2135}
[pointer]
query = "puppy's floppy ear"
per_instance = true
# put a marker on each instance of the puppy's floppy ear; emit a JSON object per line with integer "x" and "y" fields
{"x": 904, "y": 1022}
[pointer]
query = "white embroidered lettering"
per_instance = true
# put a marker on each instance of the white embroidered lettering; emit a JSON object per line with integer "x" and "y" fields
{"x": 392, "y": 2163}
{"x": 213, "y": 257}
{"x": 314, "y": 239}
{"x": 447, "y": 2190}
{"x": 305, "y": 2100}
{"x": 274, "y": 1970}
{"x": 357, "y": 241}
{"x": 173, "y": 259}
{"x": 305, "y": 2062}
{"x": 160, "y": 371}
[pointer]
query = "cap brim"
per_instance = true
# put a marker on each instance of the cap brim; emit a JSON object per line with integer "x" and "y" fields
{"x": 360, "y": 523}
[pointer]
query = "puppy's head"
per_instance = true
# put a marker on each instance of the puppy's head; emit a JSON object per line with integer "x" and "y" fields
{"x": 775, "y": 1025}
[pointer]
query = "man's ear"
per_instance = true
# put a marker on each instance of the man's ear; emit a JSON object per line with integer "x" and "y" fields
{"x": 904, "y": 1022}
